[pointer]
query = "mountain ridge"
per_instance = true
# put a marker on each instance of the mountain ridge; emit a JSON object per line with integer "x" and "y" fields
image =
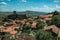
{"x": 32, "y": 13}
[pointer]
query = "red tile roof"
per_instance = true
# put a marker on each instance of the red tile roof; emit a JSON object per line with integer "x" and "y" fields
{"x": 46, "y": 16}
{"x": 54, "y": 28}
{"x": 13, "y": 32}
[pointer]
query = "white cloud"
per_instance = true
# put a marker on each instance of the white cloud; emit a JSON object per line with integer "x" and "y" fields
{"x": 3, "y": 3}
{"x": 56, "y": 1}
{"x": 57, "y": 6}
{"x": 24, "y": 0}
{"x": 47, "y": 8}
{"x": 44, "y": 8}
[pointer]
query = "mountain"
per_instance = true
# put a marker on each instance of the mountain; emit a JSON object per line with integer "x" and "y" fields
{"x": 32, "y": 13}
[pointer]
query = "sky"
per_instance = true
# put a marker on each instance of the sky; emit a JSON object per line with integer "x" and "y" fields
{"x": 31, "y": 5}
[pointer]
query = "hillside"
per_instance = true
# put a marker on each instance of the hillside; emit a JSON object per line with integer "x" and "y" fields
{"x": 32, "y": 13}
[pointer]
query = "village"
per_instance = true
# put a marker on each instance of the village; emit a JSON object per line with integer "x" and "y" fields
{"x": 18, "y": 24}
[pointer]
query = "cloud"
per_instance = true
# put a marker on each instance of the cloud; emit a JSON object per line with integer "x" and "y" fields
{"x": 47, "y": 8}
{"x": 3, "y": 3}
{"x": 44, "y": 8}
{"x": 56, "y": 1}
{"x": 57, "y": 6}
{"x": 24, "y": 0}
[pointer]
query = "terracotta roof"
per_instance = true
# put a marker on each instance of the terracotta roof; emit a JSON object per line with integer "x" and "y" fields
{"x": 1, "y": 26}
{"x": 54, "y": 28}
{"x": 34, "y": 24}
{"x": 46, "y": 16}
{"x": 13, "y": 32}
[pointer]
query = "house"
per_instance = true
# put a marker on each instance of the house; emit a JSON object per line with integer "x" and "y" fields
{"x": 52, "y": 28}
{"x": 9, "y": 28}
{"x": 46, "y": 16}
{"x": 34, "y": 23}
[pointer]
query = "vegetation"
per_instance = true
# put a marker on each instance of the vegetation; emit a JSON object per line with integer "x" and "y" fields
{"x": 1, "y": 23}
{"x": 40, "y": 25}
{"x": 44, "y": 35}
{"x": 56, "y": 20}
{"x": 26, "y": 29}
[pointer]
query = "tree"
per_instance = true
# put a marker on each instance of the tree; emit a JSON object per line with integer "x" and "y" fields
{"x": 56, "y": 20}
{"x": 27, "y": 28}
{"x": 48, "y": 22}
{"x": 14, "y": 12}
{"x": 4, "y": 34}
{"x": 55, "y": 13}
{"x": 1, "y": 22}
{"x": 40, "y": 25}
{"x": 44, "y": 35}
{"x": 12, "y": 16}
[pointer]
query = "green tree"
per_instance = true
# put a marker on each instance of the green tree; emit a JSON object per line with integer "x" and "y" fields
{"x": 40, "y": 25}
{"x": 1, "y": 23}
{"x": 55, "y": 13}
{"x": 44, "y": 35}
{"x": 27, "y": 28}
{"x": 14, "y": 12}
{"x": 56, "y": 20}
